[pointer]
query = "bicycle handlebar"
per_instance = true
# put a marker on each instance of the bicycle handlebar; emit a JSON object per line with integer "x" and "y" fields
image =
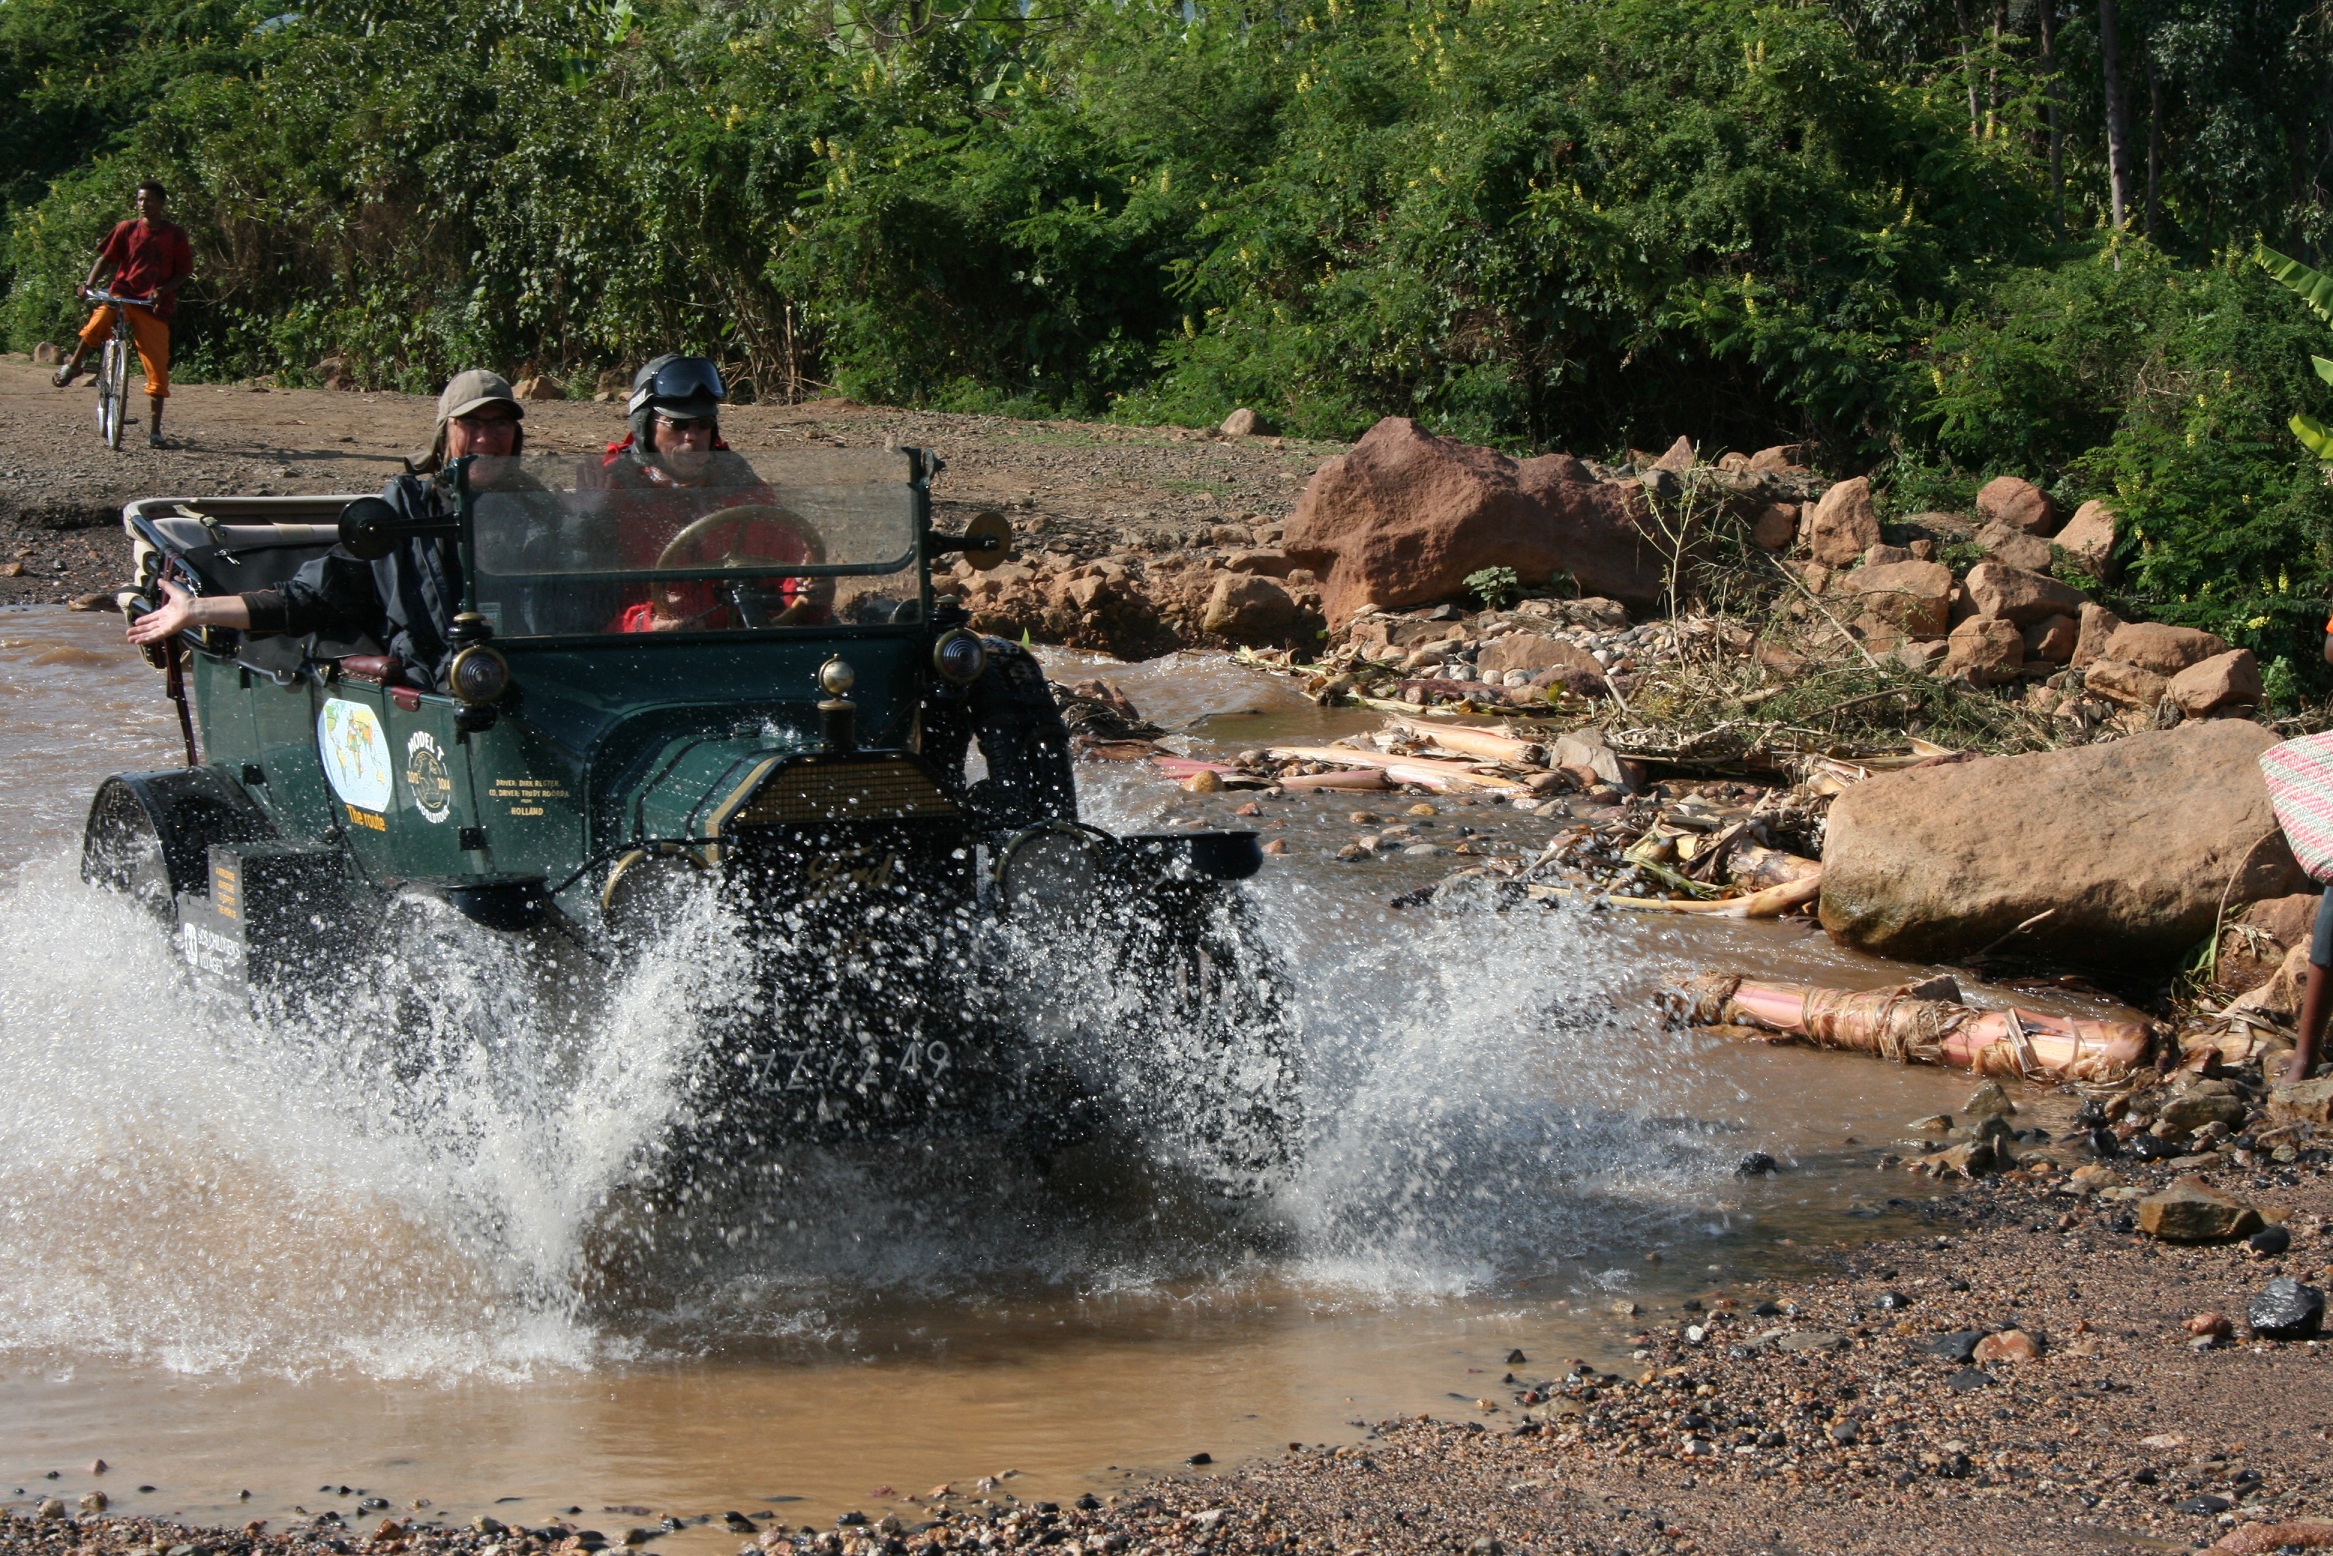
{"x": 97, "y": 295}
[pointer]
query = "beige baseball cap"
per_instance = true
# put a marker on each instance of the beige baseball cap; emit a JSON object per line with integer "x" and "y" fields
{"x": 467, "y": 391}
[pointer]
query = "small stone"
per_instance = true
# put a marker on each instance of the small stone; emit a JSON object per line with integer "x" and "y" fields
{"x": 1251, "y": 808}
{"x": 1892, "y": 1302}
{"x": 1845, "y": 1432}
{"x": 1278, "y": 845}
{"x": 1757, "y": 1164}
{"x": 1204, "y": 781}
{"x": 1811, "y": 1340}
{"x": 2308, "y": 1102}
{"x": 489, "y": 1525}
{"x": 2190, "y": 1210}
{"x": 1988, "y": 1101}
{"x": 1957, "y": 1347}
{"x": 1201, "y": 1457}
{"x": 1516, "y": 1358}
{"x": 50, "y": 1507}
{"x": 1241, "y": 423}
{"x": 98, "y": 1466}
{"x": 2209, "y": 1325}
{"x": 1968, "y": 1378}
{"x": 2010, "y": 1345}
{"x": 2094, "y": 1178}
{"x": 2284, "y": 1309}
{"x": 1421, "y": 809}
{"x": 93, "y": 1502}
{"x": 2204, "y": 1506}
{"x": 1365, "y": 818}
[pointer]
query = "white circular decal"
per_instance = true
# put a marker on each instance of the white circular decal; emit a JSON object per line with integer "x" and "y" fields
{"x": 426, "y": 776}
{"x": 356, "y": 754}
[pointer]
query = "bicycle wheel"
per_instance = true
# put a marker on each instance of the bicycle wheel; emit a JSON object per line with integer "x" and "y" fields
{"x": 112, "y": 391}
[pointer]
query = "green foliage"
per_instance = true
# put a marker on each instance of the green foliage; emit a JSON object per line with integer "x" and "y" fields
{"x": 1495, "y": 587}
{"x": 2280, "y": 685}
{"x": 2317, "y": 291}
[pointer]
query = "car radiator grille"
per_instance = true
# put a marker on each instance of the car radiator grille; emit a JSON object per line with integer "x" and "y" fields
{"x": 814, "y": 790}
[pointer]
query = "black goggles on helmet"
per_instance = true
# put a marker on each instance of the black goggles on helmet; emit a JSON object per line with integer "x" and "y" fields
{"x": 692, "y": 382}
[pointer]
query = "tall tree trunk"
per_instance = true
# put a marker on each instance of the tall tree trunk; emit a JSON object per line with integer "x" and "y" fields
{"x": 2117, "y": 114}
{"x": 2048, "y": 13}
{"x": 1968, "y": 68}
{"x": 2154, "y": 148}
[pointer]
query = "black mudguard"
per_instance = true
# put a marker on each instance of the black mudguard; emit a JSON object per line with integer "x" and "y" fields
{"x": 1011, "y": 712}
{"x": 186, "y": 808}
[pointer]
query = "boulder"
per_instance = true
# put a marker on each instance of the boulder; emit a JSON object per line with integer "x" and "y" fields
{"x": 2019, "y": 504}
{"x": 1984, "y": 651}
{"x": 1883, "y": 555}
{"x": 1404, "y": 517}
{"x": 2097, "y": 626}
{"x": 2089, "y": 538}
{"x": 46, "y": 354}
{"x": 2015, "y": 548}
{"x": 2010, "y": 1345}
{"x": 2051, "y": 640}
{"x": 1241, "y": 423}
{"x": 612, "y": 384}
{"x": 1273, "y": 564}
{"x": 1843, "y": 525}
{"x": 2019, "y": 595}
{"x": 1912, "y": 597}
{"x": 1584, "y": 753}
{"x": 2304, "y": 1102}
{"x": 1248, "y": 608}
{"x": 1780, "y": 459}
{"x": 1678, "y": 459}
{"x": 2229, "y": 680}
{"x": 540, "y": 387}
{"x": 2120, "y": 681}
{"x": 2161, "y": 647}
{"x": 2189, "y": 1210}
{"x": 1532, "y": 653}
{"x": 1776, "y": 526}
{"x": 2131, "y": 846}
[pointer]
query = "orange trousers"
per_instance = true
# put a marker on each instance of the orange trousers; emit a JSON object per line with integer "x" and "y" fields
{"x": 152, "y": 336}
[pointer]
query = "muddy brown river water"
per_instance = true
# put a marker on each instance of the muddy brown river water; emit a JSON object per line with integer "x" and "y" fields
{"x": 229, "y": 1265}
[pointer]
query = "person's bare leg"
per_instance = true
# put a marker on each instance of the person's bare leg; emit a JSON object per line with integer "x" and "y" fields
{"x": 2315, "y": 995}
{"x": 154, "y": 425}
{"x": 72, "y": 366}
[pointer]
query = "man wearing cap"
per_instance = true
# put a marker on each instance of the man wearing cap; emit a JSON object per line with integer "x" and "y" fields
{"x": 406, "y": 601}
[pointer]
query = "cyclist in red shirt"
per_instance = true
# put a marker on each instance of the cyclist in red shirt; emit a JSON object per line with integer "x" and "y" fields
{"x": 148, "y": 257}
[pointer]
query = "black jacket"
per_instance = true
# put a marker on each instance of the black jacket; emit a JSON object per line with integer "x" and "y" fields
{"x": 405, "y": 602}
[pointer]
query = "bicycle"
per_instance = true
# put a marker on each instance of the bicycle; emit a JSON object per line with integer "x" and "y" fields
{"x": 113, "y": 366}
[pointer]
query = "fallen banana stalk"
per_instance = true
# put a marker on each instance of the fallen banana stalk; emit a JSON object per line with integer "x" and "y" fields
{"x": 1354, "y": 778}
{"x": 1773, "y": 902}
{"x": 1467, "y": 740}
{"x": 1900, "y": 1025}
{"x": 1435, "y": 773}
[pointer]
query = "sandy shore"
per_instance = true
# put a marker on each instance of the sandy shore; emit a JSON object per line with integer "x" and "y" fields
{"x": 1811, "y": 1419}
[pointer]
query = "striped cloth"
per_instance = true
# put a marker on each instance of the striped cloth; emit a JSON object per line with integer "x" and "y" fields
{"x": 2300, "y": 787}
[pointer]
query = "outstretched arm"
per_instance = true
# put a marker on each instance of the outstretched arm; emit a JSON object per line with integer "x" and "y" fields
{"x": 180, "y": 610}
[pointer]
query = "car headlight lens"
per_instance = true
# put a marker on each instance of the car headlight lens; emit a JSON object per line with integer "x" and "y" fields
{"x": 960, "y": 656}
{"x": 478, "y": 675}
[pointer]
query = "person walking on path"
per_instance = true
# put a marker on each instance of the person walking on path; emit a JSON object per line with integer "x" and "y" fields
{"x": 148, "y": 257}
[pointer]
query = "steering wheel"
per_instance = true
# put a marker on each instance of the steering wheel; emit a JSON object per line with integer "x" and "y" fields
{"x": 810, "y": 602}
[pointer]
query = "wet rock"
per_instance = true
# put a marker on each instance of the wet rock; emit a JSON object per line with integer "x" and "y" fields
{"x": 1249, "y": 608}
{"x": 1756, "y": 1165}
{"x": 1516, "y": 1358}
{"x": 2190, "y": 1210}
{"x": 1201, "y": 1457}
{"x": 2017, "y": 504}
{"x": 2010, "y": 1345}
{"x": 50, "y": 1507}
{"x": 2206, "y": 1103}
{"x": 94, "y": 1502}
{"x": 2284, "y": 1309}
{"x": 2095, "y": 1177}
{"x": 1988, "y": 1101}
{"x": 2089, "y": 538}
{"x": 1843, "y": 525}
{"x": 1970, "y": 1159}
{"x": 1405, "y": 516}
{"x": 2132, "y": 847}
{"x": 2019, "y": 595}
{"x": 2229, "y": 680}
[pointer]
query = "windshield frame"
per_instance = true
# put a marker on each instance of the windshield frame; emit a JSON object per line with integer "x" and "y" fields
{"x": 921, "y": 465}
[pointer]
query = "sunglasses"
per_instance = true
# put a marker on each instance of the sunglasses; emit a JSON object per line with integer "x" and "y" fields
{"x": 686, "y": 423}
{"x": 478, "y": 419}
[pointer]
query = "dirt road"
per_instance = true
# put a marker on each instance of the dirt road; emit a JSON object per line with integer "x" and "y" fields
{"x": 1084, "y": 488}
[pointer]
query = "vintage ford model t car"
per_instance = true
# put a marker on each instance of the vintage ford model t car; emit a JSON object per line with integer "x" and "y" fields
{"x": 739, "y": 688}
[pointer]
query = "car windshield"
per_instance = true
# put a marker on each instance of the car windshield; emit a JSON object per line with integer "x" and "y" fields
{"x": 704, "y": 542}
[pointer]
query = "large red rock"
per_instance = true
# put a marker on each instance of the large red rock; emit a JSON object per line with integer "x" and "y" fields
{"x": 1985, "y": 650}
{"x": 1405, "y": 516}
{"x": 2131, "y": 846}
{"x": 2089, "y": 538}
{"x": 2020, "y": 504}
{"x": 2229, "y": 680}
{"x": 1913, "y": 597}
{"x": 1843, "y": 525}
{"x": 2018, "y": 596}
{"x": 2161, "y": 647}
